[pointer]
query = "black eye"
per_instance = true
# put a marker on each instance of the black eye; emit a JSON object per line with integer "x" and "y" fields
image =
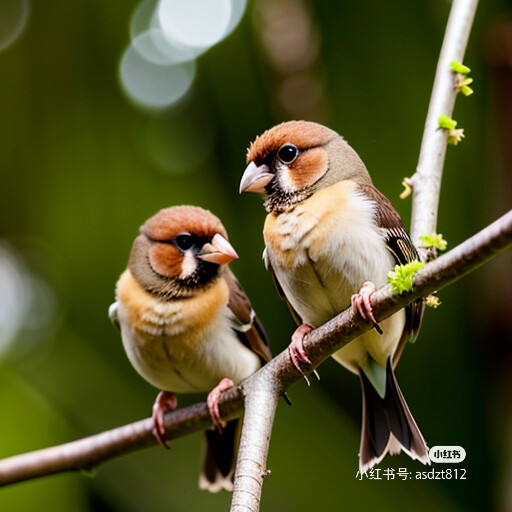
{"x": 288, "y": 153}
{"x": 184, "y": 241}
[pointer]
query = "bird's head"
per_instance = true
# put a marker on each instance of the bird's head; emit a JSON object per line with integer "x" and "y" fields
{"x": 180, "y": 250}
{"x": 291, "y": 161}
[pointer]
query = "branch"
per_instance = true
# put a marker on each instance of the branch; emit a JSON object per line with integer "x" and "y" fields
{"x": 262, "y": 390}
{"x": 265, "y": 385}
{"x": 87, "y": 453}
{"x": 426, "y": 182}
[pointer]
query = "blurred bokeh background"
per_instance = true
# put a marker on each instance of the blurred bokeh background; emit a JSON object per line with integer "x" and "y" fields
{"x": 110, "y": 111}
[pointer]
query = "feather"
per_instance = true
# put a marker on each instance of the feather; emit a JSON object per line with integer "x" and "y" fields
{"x": 401, "y": 247}
{"x": 388, "y": 426}
{"x": 113, "y": 315}
{"x": 248, "y": 327}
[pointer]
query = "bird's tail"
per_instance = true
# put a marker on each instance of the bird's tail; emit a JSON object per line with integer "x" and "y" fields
{"x": 219, "y": 457}
{"x": 388, "y": 426}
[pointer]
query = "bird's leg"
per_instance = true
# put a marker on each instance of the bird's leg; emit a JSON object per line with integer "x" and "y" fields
{"x": 212, "y": 401}
{"x": 296, "y": 347}
{"x": 165, "y": 402}
{"x": 362, "y": 303}
{"x": 297, "y": 352}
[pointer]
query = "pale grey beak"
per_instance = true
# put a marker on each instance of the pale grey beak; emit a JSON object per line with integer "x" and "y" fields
{"x": 255, "y": 178}
{"x": 219, "y": 251}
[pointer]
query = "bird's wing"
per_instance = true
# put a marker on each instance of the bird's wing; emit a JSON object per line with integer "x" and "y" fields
{"x": 112, "y": 314}
{"x": 400, "y": 245}
{"x": 247, "y": 325}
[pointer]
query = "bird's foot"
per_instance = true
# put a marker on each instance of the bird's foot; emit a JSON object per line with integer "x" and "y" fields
{"x": 212, "y": 401}
{"x": 296, "y": 349}
{"x": 165, "y": 402}
{"x": 362, "y": 303}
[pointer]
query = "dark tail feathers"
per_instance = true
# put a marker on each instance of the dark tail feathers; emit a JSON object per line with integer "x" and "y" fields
{"x": 219, "y": 457}
{"x": 388, "y": 426}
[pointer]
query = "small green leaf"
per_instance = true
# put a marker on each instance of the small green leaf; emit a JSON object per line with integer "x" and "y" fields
{"x": 464, "y": 87}
{"x": 435, "y": 240}
{"x": 462, "y": 84}
{"x": 467, "y": 91}
{"x": 461, "y": 79}
{"x": 447, "y": 123}
{"x": 401, "y": 278}
{"x": 454, "y": 136}
{"x": 458, "y": 67}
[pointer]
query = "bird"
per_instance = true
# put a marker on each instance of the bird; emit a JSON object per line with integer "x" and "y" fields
{"x": 187, "y": 325}
{"x": 330, "y": 239}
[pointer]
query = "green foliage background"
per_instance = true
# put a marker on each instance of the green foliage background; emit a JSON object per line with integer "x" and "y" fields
{"x": 81, "y": 168}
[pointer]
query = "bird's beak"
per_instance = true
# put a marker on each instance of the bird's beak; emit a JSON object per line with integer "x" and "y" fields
{"x": 219, "y": 251}
{"x": 255, "y": 178}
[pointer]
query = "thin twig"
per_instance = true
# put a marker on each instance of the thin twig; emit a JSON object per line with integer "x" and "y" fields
{"x": 426, "y": 182}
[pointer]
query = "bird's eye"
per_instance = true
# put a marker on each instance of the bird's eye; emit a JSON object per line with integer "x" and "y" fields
{"x": 288, "y": 153}
{"x": 184, "y": 241}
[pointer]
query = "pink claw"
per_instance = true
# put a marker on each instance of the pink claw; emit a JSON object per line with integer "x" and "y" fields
{"x": 362, "y": 303}
{"x": 213, "y": 402}
{"x": 296, "y": 347}
{"x": 165, "y": 402}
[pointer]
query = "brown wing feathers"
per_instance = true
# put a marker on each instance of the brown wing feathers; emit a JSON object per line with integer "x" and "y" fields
{"x": 251, "y": 332}
{"x": 400, "y": 245}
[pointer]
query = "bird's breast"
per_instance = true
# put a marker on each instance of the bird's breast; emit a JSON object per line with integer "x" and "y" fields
{"x": 181, "y": 320}
{"x": 184, "y": 345}
{"x": 324, "y": 249}
{"x": 322, "y": 252}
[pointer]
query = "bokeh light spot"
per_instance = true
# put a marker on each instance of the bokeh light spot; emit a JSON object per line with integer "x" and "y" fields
{"x": 154, "y": 47}
{"x": 143, "y": 18}
{"x": 167, "y": 34}
{"x": 197, "y": 23}
{"x": 154, "y": 85}
{"x": 28, "y": 304}
{"x": 237, "y": 11}
{"x": 13, "y": 19}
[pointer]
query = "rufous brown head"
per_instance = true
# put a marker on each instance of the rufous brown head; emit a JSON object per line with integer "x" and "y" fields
{"x": 179, "y": 250}
{"x": 292, "y": 160}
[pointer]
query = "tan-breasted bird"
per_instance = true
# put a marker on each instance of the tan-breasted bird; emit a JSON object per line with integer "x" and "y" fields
{"x": 331, "y": 238}
{"x": 187, "y": 326}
